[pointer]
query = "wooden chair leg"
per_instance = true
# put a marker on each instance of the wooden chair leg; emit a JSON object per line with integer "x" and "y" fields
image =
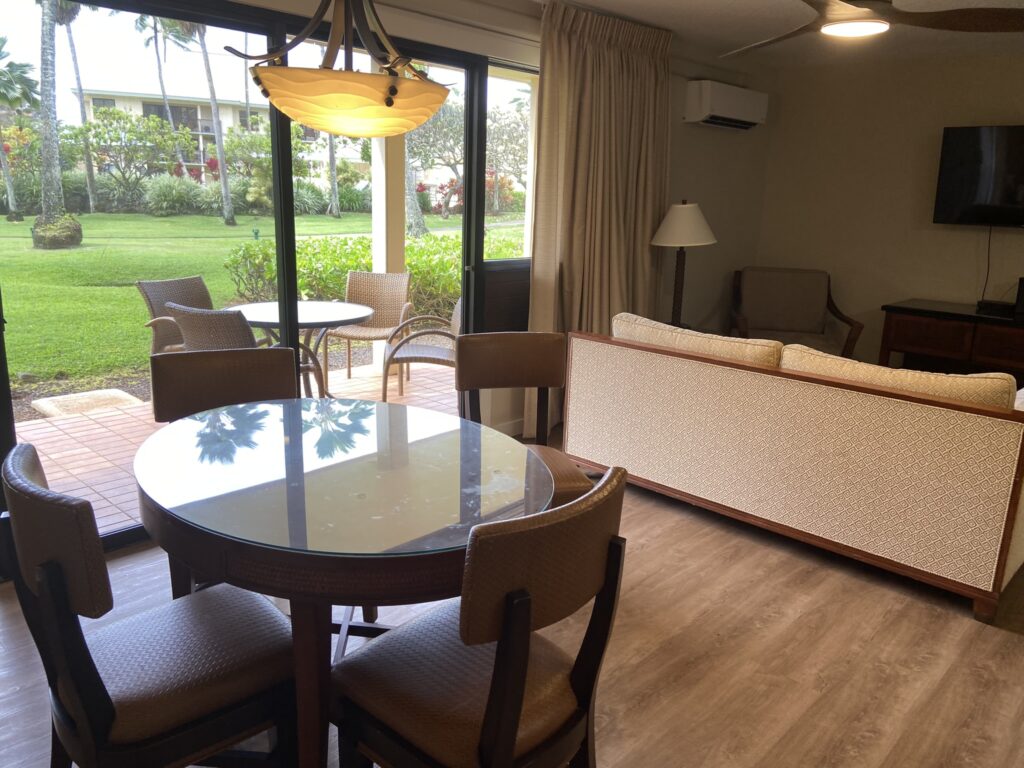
{"x": 384, "y": 383}
{"x": 370, "y": 613}
{"x": 585, "y": 756}
{"x": 348, "y": 349}
{"x": 408, "y": 371}
{"x": 348, "y": 742}
{"x": 58, "y": 755}
{"x": 401, "y": 381}
{"x": 325, "y": 359}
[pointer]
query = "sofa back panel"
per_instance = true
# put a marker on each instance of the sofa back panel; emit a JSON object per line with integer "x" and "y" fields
{"x": 923, "y": 485}
{"x": 995, "y": 390}
{"x": 779, "y": 299}
{"x": 752, "y": 351}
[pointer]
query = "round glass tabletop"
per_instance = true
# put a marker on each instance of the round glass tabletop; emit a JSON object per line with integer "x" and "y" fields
{"x": 312, "y": 314}
{"x": 343, "y": 477}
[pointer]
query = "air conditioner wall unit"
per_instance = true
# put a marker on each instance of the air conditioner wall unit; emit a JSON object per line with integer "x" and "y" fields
{"x": 725, "y": 106}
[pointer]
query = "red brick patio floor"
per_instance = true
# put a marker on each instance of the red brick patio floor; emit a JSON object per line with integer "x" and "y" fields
{"x": 90, "y": 455}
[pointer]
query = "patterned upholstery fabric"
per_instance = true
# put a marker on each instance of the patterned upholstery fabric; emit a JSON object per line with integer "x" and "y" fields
{"x": 782, "y": 299}
{"x": 922, "y": 485}
{"x": 570, "y": 482}
{"x": 421, "y": 680}
{"x": 996, "y": 390}
{"x": 52, "y": 527}
{"x": 188, "y": 658}
{"x": 753, "y": 351}
{"x": 558, "y": 556}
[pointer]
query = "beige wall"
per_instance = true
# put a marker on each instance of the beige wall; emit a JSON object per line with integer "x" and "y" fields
{"x": 851, "y": 172}
{"x": 723, "y": 170}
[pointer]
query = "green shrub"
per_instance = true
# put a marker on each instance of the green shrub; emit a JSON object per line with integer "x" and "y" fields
{"x": 423, "y": 198}
{"x": 518, "y": 202}
{"x": 76, "y": 194}
{"x": 27, "y": 191}
{"x": 355, "y": 200}
{"x": 434, "y": 263}
{"x": 499, "y": 248}
{"x": 309, "y": 199}
{"x": 62, "y": 233}
{"x": 173, "y": 195}
{"x": 112, "y": 197}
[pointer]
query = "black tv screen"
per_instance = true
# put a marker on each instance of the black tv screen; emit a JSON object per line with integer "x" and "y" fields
{"x": 981, "y": 176}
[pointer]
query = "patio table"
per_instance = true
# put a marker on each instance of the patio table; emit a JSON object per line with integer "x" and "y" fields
{"x": 315, "y": 319}
{"x": 329, "y": 502}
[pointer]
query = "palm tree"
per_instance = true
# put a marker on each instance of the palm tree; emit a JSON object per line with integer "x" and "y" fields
{"x": 17, "y": 90}
{"x": 156, "y": 29}
{"x": 67, "y": 12}
{"x": 52, "y": 188}
{"x": 197, "y": 32}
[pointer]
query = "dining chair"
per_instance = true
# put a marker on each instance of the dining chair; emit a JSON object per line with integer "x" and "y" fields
{"x": 187, "y": 291}
{"x": 471, "y": 683}
{"x": 387, "y": 294}
{"x": 184, "y": 383}
{"x": 203, "y": 329}
{"x": 174, "y": 685}
{"x": 433, "y": 343}
{"x": 521, "y": 360}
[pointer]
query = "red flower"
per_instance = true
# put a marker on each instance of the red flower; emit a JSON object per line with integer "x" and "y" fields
{"x": 7, "y": 148}
{"x": 421, "y": 187}
{"x": 211, "y": 163}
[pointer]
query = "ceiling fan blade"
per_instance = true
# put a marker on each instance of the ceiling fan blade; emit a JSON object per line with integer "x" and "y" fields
{"x": 812, "y": 26}
{"x": 959, "y": 20}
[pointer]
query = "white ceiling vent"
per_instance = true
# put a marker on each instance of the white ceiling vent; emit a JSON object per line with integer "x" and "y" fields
{"x": 724, "y": 105}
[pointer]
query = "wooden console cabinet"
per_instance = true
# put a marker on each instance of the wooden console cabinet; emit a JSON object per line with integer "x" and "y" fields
{"x": 941, "y": 335}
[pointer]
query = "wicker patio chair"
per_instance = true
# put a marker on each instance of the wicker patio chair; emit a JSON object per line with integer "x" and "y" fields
{"x": 173, "y": 685}
{"x": 387, "y": 294}
{"x": 521, "y": 360}
{"x": 187, "y": 291}
{"x": 211, "y": 328}
{"x": 473, "y": 682}
{"x": 405, "y": 345}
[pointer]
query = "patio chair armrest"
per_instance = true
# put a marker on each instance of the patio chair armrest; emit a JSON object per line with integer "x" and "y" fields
{"x": 162, "y": 321}
{"x": 404, "y": 326}
{"x": 419, "y": 335}
{"x": 406, "y": 312}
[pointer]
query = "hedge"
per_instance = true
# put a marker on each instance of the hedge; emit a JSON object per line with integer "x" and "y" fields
{"x": 434, "y": 263}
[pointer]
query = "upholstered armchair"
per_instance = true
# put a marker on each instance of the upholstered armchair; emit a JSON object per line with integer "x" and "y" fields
{"x": 794, "y": 306}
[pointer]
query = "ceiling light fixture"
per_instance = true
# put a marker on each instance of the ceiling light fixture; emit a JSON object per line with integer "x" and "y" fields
{"x": 345, "y": 102}
{"x": 855, "y": 28}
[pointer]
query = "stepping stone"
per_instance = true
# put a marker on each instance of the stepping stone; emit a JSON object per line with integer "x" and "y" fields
{"x": 84, "y": 402}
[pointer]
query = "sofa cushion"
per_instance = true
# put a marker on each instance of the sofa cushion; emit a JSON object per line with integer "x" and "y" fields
{"x": 996, "y": 390}
{"x": 784, "y": 299}
{"x": 753, "y": 351}
{"x": 821, "y": 341}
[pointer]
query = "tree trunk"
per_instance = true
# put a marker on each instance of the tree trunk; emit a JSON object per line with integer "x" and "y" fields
{"x": 90, "y": 173}
{"x": 415, "y": 226}
{"x": 245, "y": 77}
{"x": 334, "y": 206}
{"x": 52, "y": 188}
{"x": 218, "y": 135}
{"x": 163, "y": 89}
{"x": 12, "y": 201}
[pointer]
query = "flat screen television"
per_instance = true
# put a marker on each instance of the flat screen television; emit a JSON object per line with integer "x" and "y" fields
{"x": 981, "y": 176}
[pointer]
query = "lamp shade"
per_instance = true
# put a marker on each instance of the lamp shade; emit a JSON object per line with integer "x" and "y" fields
{"x": 684, "y": 225}
{"x": 346, "y": 103}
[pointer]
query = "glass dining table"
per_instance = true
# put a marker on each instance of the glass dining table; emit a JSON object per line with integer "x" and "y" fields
{"x": 329, "y": 502}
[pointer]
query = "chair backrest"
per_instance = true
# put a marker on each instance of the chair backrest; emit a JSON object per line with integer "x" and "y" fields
{"x": 211, "y": 328}
{"x": 52, "y": 549}
{"x": 559, "y": 557}
{"x": 456, "y": 323}
{"x": 386, "y": 293}
{"x": 510, "y": 359}
{"x": 184, "y": 383}
{"x": 783, "y": 299}
{"x": 187, "y": 291}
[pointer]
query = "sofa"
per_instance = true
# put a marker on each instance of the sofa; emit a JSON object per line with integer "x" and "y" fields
{"x": 917, "y": 473}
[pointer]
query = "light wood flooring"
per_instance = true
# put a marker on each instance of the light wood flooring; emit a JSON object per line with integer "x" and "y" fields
{"x": 733, "y": 647}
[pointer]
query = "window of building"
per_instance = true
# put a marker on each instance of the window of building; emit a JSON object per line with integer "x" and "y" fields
{"x": 98, "y": 102}
{"x": 180, "y": 114}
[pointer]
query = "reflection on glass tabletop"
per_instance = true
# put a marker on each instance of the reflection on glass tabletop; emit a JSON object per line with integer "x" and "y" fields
{"x": 339, "y": 476}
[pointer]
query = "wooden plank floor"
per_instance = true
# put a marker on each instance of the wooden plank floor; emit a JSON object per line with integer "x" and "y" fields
{"x": 733, "y": 647}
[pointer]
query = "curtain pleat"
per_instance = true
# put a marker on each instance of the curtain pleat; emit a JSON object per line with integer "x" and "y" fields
{"x": 601, "y": 170}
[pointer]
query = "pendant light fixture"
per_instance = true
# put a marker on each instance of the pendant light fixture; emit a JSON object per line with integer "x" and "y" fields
{"x": 344, "y": 102}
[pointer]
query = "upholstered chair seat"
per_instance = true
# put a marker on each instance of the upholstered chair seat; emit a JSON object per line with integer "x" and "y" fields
{"x": 185, "y": 659}
{"x": 422, "y": 678}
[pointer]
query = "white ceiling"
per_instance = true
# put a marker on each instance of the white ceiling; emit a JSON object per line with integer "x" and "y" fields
{"x": 712, "y": 27}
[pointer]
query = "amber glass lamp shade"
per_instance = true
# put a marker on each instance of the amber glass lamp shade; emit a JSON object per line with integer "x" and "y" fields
{"x": 346, "y": 103}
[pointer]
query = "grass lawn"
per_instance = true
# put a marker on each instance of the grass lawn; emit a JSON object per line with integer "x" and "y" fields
{"x": 76, "y": 314}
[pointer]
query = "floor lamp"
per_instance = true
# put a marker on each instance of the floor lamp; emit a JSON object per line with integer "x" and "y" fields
{"x": 684, "y": 225}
